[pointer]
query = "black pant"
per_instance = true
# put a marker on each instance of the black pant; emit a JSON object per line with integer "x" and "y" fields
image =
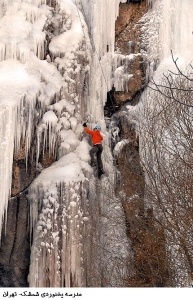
{"x": 98, "y": 150}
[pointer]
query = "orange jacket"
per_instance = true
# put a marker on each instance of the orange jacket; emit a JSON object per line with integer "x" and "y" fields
{"x": 95, "y": 135}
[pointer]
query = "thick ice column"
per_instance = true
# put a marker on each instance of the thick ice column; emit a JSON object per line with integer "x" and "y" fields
{"x": 61, "y": 190}
{"x": 27, "y": 36}
{"x": 100, "y": 17}
{"x": 61, "y": 230}
{"x": 168, "y": 26}
{"x": 7, "y": 117}
{"x": 15, "y": 121}
{"x": 180, "y": 23}
{"x": 24, "y": 81}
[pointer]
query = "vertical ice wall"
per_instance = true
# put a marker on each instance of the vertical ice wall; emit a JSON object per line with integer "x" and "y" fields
{"x": 23, "y": 77}
{"x": 100, "y": 16}
{"x": 72, "y": 195}
{"x": 112, "y": 254}
{"x": 176, "y": 31}
{"x": 167, "y": 26}
{"x": 59, "y": 196}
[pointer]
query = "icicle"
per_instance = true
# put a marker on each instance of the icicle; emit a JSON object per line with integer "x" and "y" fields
{"x": 32, "y": 12}
{"x": 2, "y": 51}
{"x": 63, "y": 263}
{"x": 151, "y": 2}
{"x": 39, "y": 44}
{"x": 7, "y": 116}
{"x": 168, "y": 18}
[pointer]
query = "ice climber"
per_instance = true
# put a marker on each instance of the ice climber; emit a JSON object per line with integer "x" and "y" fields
{"x": 97, "y": 146}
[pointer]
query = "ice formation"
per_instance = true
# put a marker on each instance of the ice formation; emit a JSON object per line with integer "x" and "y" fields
{"x": 171, "y": 20}
{"x": 167, "y": 26}
{"x": 121, "y": 68}
{"x": 52, "y": 77}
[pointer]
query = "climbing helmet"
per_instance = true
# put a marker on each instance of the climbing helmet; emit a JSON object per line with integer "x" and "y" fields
{"x": 97, "y": 127}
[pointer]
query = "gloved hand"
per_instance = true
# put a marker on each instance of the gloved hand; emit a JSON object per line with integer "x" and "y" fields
{"x": 84, "y": 124}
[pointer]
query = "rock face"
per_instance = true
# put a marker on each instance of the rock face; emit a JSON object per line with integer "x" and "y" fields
{"x": 15, "y": 239}
{"x": 135, "y": 84}
{"x": 23, "y": 174}
{"x": 135, "y": 1}
{"x": 15, "y": 245}
{"x": 127, "y": 33}
{"x": 150, "y": 266}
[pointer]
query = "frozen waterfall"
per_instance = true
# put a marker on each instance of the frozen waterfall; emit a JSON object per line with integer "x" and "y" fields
{"x": 52, "y": 77}
{"x": 168, "y": 26}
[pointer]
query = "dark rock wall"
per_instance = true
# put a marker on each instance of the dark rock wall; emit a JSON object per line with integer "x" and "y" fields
{"x": 127, "y": 35}
{"x": 15, "y": 239}
{"x": 15, "y": 245}
{"x": 150, "y": 267}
